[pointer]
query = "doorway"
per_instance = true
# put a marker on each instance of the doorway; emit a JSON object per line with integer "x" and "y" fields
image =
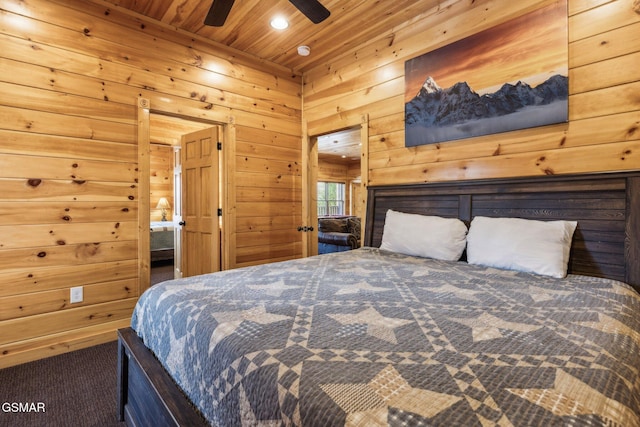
{"x": 162, "y": 204}
{"x": 167, "y": 129}
{"x": 336, "y": 158}
{"x": 185, "y": 188}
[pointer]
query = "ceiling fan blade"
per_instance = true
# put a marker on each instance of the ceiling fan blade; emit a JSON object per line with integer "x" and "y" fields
{"x": 218, "y": 13}
{"x": 312, "y": 9}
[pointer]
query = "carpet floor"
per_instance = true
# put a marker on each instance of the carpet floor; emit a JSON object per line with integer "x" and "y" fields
{"x": 75, "y": 389}
{"x": 161, "y": 271}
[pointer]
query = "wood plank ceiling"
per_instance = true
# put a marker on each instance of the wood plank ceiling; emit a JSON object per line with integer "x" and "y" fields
{"x": 352, "y": 22}
{"x": 340, "y": 147}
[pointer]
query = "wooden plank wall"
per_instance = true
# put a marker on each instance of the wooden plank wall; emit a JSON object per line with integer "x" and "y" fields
{"x": 161, "y": 180}
{"x": 332, "y": 171}
{"x": 268, "y": 196}
{"x": 70, "y": 75}
{"x": 603, "y": 133}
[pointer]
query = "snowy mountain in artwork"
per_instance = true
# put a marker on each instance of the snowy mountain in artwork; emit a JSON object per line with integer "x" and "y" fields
{"x": 459, "y": 112}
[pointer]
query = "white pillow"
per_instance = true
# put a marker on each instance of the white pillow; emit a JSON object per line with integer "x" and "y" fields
{"x": 424, "y": 236}
{"x": 540, "y": 247}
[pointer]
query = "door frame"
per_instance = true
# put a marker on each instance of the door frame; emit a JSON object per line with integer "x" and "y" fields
{"x": 177, "y": 211}
{"x": 227, "y": 188}
{"x": 310, "y": 133}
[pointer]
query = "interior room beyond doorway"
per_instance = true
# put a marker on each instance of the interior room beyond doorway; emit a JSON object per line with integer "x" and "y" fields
{"x": 339, "y": 187}
{"x": 165, "y": 133}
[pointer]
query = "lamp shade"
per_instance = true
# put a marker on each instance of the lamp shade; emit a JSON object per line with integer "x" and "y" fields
{"x": 163, "y": 203}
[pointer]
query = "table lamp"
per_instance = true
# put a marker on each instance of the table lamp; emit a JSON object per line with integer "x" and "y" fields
{"x": 163, "y": 204}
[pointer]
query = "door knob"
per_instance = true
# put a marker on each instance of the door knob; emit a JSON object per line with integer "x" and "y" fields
{"x": 182, "y": 223}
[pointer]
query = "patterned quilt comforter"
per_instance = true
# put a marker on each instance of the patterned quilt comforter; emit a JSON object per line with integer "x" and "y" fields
{"x": 368, "y": 338}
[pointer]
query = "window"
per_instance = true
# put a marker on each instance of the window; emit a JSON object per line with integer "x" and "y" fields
{"x": 330, "y": 198}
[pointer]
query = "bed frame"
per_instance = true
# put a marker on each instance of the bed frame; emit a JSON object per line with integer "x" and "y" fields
{"x": 606, "y": 244}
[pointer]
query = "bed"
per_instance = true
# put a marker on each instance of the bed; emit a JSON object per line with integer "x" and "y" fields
{"x": 161, "y": 240}
{"x": 377, "y": 337}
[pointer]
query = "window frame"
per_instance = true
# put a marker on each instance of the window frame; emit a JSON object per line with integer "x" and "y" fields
{"x": 323, "y": 202}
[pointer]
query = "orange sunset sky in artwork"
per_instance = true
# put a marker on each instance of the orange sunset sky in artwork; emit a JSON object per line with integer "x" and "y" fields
{"x": 530, "y": 48}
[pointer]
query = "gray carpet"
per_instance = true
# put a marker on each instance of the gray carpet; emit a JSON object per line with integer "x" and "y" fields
{"x": 161, "y": 271}
{"x": 76, "y": 389}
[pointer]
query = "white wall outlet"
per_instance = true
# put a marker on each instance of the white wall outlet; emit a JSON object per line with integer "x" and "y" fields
{"x": 76, "y": 294}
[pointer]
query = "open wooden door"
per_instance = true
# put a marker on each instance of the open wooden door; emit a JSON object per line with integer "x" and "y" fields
{"x": 200, "y": 202}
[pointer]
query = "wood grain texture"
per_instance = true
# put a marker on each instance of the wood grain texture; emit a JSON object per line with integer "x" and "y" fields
{"x": 77, "y": 191}
{"x": 73, "y": 71}
{"x": 161, "y": 179}
{"x": 604, "y": 106}
{"x": 51, "y": 345}
{"x": 246, "y": 28}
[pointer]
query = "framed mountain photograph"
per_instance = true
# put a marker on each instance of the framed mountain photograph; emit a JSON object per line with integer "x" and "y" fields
{"x": 508, "y": 77}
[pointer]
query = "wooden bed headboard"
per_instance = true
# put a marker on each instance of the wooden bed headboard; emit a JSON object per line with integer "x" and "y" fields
{"x": 606, "y": 205}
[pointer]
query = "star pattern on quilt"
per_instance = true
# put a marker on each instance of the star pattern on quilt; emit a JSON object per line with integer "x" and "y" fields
{"x": 230, "y": 321}
{"x": 274, "y": 289}
{"x": 466, "y": 294}
{"x": 378, "y": 325}
{"x": 287, "y": 270}
{"x": 572, "y": 396}
{"x": 248, "y": 417}
{"x": 185, "y": 289}
{"x": 608, "y": 325}
{"x": 355, "y": 288}
{"x": 617, "y": 289}
{"x": 368, "y": 404}
{"x": 423, "y": 272}
{"x": 175, "y": 360}
{"x": 487, "y": 326}
{"x": 387, "y": 373}
{"x": 539, "y": 294}
{"x": 357, "y": 271}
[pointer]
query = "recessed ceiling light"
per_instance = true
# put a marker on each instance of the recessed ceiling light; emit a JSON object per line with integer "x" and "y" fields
{"x": 279, "y": 23}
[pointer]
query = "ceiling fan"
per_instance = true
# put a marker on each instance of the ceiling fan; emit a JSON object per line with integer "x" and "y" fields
{"x": 312, "y": 9}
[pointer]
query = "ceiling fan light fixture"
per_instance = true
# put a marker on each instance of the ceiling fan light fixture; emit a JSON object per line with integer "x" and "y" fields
{"x": 279, "y": 23}
{"x": 304, "y": 50}
{"x": 312, "y": 9}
